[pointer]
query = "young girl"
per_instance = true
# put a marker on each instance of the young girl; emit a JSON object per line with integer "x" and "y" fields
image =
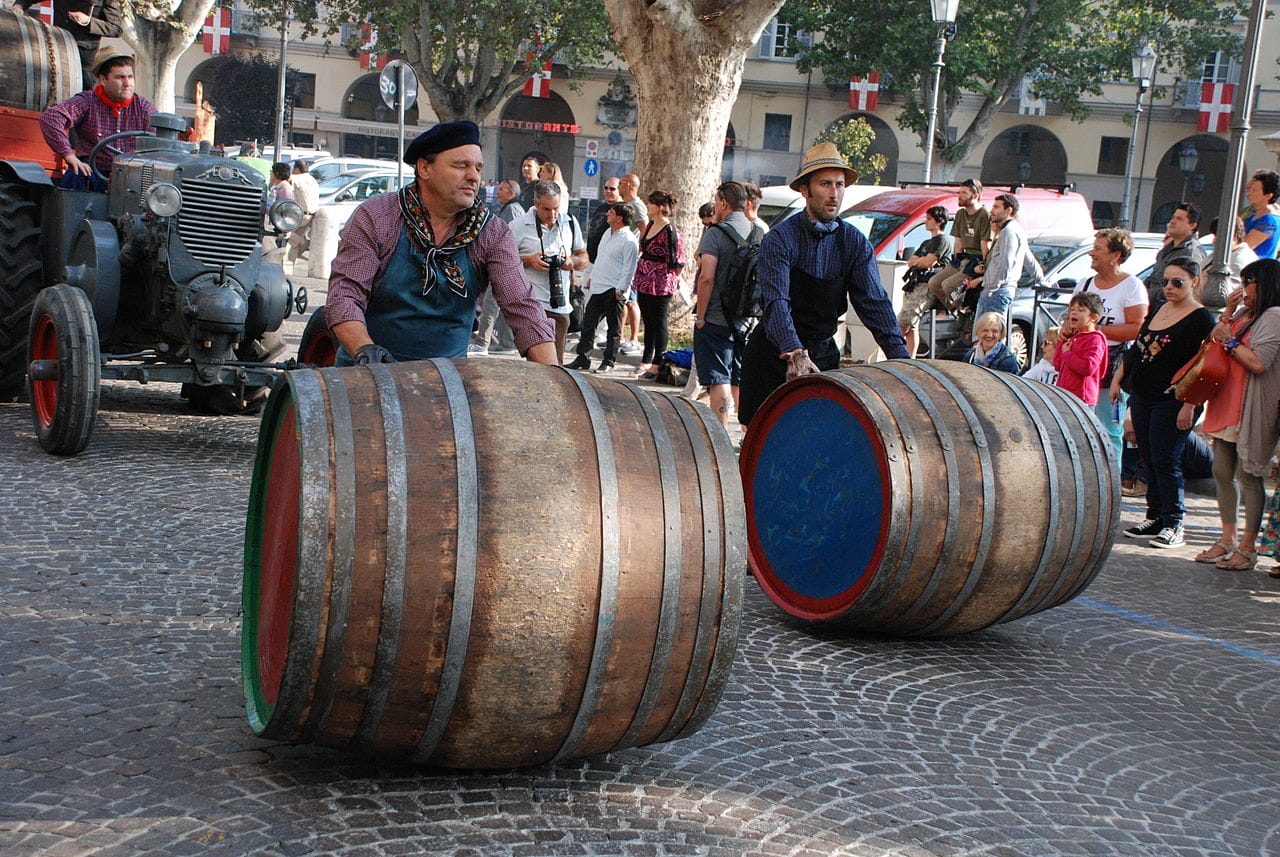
{"x": 1081, "y": 356}
{"x": 990, "y": 350}
{"x": 1043, "y": 371}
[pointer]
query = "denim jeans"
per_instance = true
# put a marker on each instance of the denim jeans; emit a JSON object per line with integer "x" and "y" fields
{"x": 1160, "y": 443}
{"x": 998, "y": 300}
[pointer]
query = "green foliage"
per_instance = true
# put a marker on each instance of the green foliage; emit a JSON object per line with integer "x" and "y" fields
{"x": 243, "y": 92}
{"x": 1071, "y": 48}
{"x": 853, "y": 137}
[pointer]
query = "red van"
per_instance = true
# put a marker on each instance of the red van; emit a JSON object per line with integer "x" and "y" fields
{"x": 894, "y": 220}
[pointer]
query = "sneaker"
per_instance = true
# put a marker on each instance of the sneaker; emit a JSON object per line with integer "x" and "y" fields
{"x": 477, "y": 351}
{"x": 631, "y": 347}
{"x": 1145, "y": 530}
{"x": 581, "y": 363}
{"x": 604, "y": 369}
{"x": 1169, "y": 537}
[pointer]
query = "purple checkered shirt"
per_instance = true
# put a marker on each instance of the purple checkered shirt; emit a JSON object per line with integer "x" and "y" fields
{"x": 93, "y": 120}
{"x": 369, "y": 239}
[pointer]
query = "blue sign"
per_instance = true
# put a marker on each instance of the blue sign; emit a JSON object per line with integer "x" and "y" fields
{"x": 591, "y": 166}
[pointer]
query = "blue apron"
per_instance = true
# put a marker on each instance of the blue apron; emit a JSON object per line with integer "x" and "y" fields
{"x": 414, "y": 326}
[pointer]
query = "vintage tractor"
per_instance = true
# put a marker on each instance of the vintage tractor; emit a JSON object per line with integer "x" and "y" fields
{"x": 159, "y": 279}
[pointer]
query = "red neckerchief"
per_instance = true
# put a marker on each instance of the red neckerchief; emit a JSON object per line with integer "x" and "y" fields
{"x": 116, "y": 106}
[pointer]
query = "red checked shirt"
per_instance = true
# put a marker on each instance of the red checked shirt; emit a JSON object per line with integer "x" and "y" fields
{"x": 369, "y": 239}
{"x": 93, "y": 118}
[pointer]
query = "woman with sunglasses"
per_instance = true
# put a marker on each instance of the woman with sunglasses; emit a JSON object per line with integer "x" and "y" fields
{"x": 1241, "y": 414}
{"x": 1169, "y": 337}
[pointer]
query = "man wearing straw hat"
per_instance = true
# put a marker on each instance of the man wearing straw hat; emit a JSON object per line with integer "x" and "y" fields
{"x": 810, "y": 267}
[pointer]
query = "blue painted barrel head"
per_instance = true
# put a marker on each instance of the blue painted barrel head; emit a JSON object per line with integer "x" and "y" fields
{"x": 818, "y": 497}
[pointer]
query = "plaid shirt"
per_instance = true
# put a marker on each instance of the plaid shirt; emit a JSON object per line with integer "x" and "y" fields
{"x": 93, "y": 120}
{"x": 369, "y": 239}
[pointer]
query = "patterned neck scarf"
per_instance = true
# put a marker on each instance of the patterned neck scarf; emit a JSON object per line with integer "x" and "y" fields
{"x": 438, "y": 259}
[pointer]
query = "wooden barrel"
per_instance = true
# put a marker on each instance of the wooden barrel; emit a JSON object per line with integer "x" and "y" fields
{"x": 925, "y": 498}
{"x": 39, "y": 64}
{"x": 487, "y": 564}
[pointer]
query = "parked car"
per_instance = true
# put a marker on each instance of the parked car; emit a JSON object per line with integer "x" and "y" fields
{"x": 778, "y": 202}
{"x": 323, "y": 169}
{"x": 1066, "y": 262}
{"x": 360, "y": 184}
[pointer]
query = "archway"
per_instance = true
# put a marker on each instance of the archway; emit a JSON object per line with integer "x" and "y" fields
{"x": 363, "y": 102}
{"x": 1025, "y": 154}
{"x": 543, "y": 125}
{"x": 726, "y": 163}
{"x": 885, "y": 143}
{"x": 1191, "y": 170}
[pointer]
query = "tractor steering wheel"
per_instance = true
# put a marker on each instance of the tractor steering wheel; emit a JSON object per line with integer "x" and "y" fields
{"x": 104, "y": 143}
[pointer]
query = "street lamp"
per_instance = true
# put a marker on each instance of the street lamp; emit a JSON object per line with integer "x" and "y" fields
{"x": 1188, "y": 157}
{"x": 1144, "y": 68}
{"x": 944, "y": 16}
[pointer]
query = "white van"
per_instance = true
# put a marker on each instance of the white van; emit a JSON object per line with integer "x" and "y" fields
{"x": 779, "y": 202}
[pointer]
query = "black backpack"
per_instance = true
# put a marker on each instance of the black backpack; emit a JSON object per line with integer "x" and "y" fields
{"x": 740, "y": 293}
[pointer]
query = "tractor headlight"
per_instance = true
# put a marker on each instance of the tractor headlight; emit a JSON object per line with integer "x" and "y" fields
{"x": 163, "y": 200}
{"x": 286, "y": 215}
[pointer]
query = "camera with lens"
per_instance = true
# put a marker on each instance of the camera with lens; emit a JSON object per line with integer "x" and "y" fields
{"x": 555, "y": 279}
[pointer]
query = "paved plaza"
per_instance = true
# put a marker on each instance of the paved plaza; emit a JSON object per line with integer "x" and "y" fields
{"x": 1142, "y": 718}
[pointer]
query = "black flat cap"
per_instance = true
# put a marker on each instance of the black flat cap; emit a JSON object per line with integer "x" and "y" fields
{"x": 446, "y": 135}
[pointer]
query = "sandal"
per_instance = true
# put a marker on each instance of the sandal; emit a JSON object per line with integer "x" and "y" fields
{"x": 1232, "y": 564}
{"x": 1216, "y": 551}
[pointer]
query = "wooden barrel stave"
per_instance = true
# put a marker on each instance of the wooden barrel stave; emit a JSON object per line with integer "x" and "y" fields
{"x": 967, "y": 555}
{"x": 39, "y": 64}
{"x": 597, "y": 686}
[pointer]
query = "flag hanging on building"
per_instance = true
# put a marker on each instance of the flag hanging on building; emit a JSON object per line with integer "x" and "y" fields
{"x": 217, "y": 32}
{"x": 1215, "y": 107}
{"x": 539, "y": 86}
{"x": 44, "y": 11}
{"x": 1028, "y": 103}
{"x": 864, "y": 93}
{"x": 369, "y": 57}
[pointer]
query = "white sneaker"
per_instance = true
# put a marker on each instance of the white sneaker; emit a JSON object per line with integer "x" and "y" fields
{"x": 631, "y": 347}
{"x": 1169, "y": 537}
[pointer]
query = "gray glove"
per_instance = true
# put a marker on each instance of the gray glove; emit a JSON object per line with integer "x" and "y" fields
{"x": 373, "y": 353}
{"x": 798, "y": 364}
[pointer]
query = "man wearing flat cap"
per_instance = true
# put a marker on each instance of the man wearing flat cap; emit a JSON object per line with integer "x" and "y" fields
{"x": 413, "y": 264}
{"x": 810, "y": 267}
{"x": 111, "y": 106}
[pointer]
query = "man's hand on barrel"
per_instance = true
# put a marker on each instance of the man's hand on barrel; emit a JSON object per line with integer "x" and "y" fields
{"x": 798, "y": 363}
{"x": 372, "y": 353}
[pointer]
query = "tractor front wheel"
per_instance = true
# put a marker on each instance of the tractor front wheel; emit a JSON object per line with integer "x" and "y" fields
{"x": 65, "y": 369}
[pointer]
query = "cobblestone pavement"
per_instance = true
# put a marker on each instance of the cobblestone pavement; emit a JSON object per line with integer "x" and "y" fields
{"x": 1140, "y": 719}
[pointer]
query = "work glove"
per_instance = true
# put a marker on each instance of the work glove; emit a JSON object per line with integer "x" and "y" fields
{"x": 373, "y": 353}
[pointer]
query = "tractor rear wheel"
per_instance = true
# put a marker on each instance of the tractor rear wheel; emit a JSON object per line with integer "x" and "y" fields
{"x": 64, "y": 404}
{"x": 318, "y": 346}
{"x": 19, "y": 282}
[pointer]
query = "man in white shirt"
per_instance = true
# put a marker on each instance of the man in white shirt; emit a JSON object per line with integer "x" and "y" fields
{"x": 306, "y": 192}
{"x": 609, "y": 287}
{"x": 543, "y": 233}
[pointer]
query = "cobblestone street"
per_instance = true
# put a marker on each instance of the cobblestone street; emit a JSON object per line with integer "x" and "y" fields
{"x": 1140, "y": 719}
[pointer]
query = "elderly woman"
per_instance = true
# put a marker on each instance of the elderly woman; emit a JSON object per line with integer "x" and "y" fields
{"x": 1241, "y": 415}
{"x": 662, "y": 257}
{"x": 1168, "y": 338}
{"x": 1124, "y": 305}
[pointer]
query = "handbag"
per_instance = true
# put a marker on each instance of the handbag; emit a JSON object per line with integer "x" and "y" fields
{"x": 1202, "y": 375}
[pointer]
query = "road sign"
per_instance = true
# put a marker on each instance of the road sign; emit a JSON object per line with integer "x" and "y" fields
{"x": 387, "y": 84}
{"x": 591, "y": 166}
{"x": 593, "y": 146}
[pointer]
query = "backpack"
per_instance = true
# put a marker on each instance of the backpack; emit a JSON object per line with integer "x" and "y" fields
{"x": 740, "y": 293}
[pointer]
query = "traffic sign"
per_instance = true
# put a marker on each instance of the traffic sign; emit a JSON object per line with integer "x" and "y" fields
{"x": 591, "y": 166}
{"x": 387, "y": 84}
{"x": 593, "y": 146}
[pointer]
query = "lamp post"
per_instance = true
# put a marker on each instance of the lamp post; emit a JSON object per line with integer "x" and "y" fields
{"x": 944, "y": 16}
{"x": 1188, "y": 157}
{"x": 1144, "y": 68}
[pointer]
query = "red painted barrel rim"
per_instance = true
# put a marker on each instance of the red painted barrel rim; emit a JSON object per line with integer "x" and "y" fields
{"x": 794, "y": 603}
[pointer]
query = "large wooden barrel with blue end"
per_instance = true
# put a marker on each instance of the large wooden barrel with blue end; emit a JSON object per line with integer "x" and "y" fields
{"x": 487, "y": 564}
{"x": 926, "y": 498}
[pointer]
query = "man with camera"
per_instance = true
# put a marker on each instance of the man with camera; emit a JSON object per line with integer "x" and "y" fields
{"x": 414, "y": 263}
{"x": 551, "y": 247}
{"x": 609, "y": 287}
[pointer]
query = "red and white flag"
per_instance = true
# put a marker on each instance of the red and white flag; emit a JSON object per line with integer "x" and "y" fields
{"x": 1215, "y": 107}
{"x": 370, "y": 58}
{"x": 864, "y": 93}
{"x": 217, "y": 32}
{"x": 539, "y": 86}
{"x": 45, "y": 11}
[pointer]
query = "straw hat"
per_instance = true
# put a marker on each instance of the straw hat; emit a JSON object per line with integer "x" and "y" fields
{"x": 823, "y": 156}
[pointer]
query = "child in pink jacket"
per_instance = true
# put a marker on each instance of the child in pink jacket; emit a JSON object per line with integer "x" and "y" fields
{"x": 1081, "y": 355}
